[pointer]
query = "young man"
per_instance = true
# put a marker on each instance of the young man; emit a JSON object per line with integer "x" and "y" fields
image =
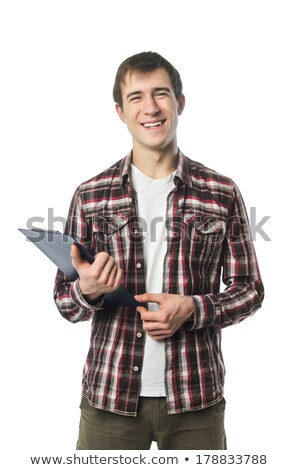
{"x": 167, "y": 228}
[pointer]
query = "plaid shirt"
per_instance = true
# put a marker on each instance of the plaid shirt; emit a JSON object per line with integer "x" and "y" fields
{"x": 208, "y": 236}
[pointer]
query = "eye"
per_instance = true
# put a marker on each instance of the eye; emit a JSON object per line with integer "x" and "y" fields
{"x": 135, "y": 98}
{"x": 161, "y": 93}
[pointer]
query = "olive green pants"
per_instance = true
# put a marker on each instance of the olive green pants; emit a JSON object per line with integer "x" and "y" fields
{"x": 193, "y": 430}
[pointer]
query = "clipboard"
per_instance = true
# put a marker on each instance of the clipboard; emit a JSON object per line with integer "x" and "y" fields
{"x": 57, "y": 246}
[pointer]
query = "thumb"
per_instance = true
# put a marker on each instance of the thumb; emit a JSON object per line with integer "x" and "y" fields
{"x": 77, "y": 260}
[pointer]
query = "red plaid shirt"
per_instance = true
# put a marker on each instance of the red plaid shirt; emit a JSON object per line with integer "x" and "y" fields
{"x": 208, "y": 236}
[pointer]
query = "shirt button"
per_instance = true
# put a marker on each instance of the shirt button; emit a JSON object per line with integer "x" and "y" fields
{"x": 139, "y": 334}
{"x": 138, "y": 265}
{"x": 130, "y": 199}
{"x": 136, "y": 368}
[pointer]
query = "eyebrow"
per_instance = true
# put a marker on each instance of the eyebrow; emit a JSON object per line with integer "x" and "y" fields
{"x": 165, "y": 88}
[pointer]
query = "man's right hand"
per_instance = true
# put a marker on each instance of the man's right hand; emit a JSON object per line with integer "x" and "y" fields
{"x": 95, "y": 279}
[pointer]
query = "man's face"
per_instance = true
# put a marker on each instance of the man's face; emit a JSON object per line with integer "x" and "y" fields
{"x": 150, "y": 109}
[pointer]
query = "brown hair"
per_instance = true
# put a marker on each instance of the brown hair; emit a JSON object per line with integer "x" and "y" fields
{"x": 145, "y": 62}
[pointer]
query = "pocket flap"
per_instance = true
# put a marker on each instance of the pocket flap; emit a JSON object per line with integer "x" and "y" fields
{"x": 109, "y": 223}
{"x": 205, "y": 224}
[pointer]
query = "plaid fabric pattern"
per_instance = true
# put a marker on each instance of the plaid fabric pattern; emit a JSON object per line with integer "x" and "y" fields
{"x": 208, "y": 239}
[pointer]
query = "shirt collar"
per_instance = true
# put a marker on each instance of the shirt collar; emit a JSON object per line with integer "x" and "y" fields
{"x": 182, "y": 175}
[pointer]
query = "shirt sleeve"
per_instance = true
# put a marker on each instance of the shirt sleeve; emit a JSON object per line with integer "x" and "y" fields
{"x": 67, "y": 295}
{"x": 244, "y": 293}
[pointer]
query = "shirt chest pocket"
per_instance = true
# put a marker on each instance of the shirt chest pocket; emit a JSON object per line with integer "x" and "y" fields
{"x": 203, "y": 235}
{"x": 110, "y": 228}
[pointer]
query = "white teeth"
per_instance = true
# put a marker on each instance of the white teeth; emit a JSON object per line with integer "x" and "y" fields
{"x": 152, "y": 124}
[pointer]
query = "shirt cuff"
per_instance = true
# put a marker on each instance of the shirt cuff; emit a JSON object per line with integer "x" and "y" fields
{"x": 79, "y": 299}
{"x": 206, "y": 311}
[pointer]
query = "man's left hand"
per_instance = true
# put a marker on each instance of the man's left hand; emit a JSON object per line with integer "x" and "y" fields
{"x": 174, "y": 310}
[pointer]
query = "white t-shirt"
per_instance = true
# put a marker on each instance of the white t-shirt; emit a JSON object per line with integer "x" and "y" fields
{"x": 152, "y": 198}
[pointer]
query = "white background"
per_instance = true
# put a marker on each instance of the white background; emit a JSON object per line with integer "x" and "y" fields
{"x": 239, "y": 65}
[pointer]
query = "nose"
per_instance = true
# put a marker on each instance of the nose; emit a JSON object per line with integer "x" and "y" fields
{"x": 150, "y": 106}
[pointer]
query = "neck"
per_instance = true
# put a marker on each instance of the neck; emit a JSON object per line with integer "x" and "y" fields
{"x": 156, "y": 164}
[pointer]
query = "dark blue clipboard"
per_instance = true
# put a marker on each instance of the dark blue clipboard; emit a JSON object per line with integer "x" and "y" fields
{"x": 57, "y": 246}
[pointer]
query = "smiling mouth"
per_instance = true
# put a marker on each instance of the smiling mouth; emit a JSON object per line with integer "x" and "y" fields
{"x": 152, "y": 125}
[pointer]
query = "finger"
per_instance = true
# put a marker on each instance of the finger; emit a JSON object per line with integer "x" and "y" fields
{"x": 147, "y": 297}
{"x": 140, "y": 309}
{"x": 112, "y": 276}
{"x": 152, "y": 326}
{"x": 152, "y": 315}
{"x": 100, "y": 261}
{"x": 160, "y": 333}
{"x": 109, "y": 268}
{"x": 118, "y": 278}
{"x": 149, "y": 316}
{"x": 114, "y": 279}
{"x": 103, "y": 264}
{"x": 159, "y": 337}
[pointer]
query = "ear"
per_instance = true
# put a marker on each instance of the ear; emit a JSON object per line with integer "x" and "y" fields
{"x": 181, "y": 104}
{"x": 120, "y": 113}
